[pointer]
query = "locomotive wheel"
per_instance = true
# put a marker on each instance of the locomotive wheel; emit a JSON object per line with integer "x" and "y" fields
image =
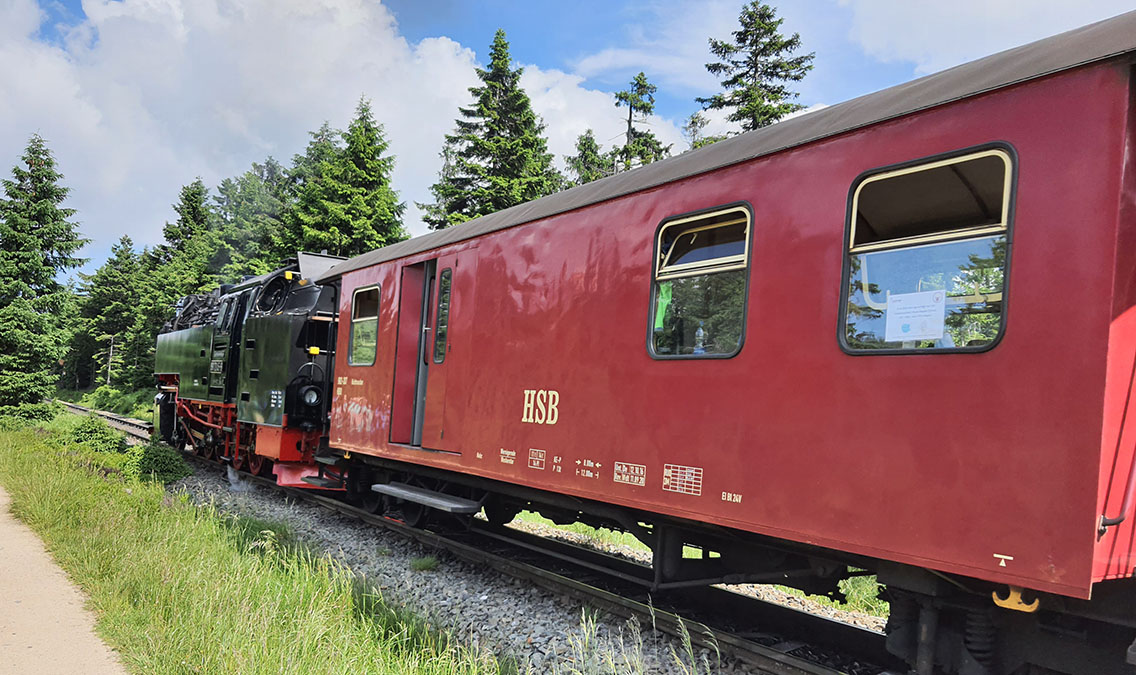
{"x": 240, "y": 462}
{"x": 209, "y": 451}
{"x": 259, "y": 465}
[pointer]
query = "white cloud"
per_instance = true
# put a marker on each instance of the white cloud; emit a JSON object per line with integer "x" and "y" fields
{"x": 938, "y": 35}
{"x": 668, "y": 41}
{"x": 144, "y": 95}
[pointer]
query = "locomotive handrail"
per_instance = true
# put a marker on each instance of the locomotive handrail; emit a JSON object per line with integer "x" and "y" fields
{"x": 1130, "y": 491}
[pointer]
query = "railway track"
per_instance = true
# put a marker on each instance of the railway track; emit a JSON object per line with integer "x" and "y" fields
{"x": 786, "y": 642}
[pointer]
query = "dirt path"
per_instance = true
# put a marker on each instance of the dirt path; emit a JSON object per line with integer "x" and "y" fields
{"x": 44, "y": 627}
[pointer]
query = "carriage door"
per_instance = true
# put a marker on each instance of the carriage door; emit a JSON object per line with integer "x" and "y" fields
{"x": 423, "y": 352}
{"x": 437, "y": 348}
{"x": 424, "y": 318}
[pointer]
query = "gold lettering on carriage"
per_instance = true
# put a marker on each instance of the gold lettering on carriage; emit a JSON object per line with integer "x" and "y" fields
{"x": 541, "y": 406}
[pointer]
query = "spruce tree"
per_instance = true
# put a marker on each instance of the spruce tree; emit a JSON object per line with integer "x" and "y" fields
{"x": 250, "y": 210}
{"x": 639, "y": 145}
{"x": 589, "y": 163}
{"x": 109, "y": 306}
{"x": 37, "y": 243}
{"x": 192, "y": 208}
{"x": 692, "y": 130}
{"x": 345, "y": 203}
{"x": 756, "y": 66}
{"x": 501, "y": 157}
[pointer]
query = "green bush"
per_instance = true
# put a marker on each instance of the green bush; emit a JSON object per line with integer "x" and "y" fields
{"x": 155, "y": 461}
{"x": 97, "y": 435}
{"x": 12, "y": 423}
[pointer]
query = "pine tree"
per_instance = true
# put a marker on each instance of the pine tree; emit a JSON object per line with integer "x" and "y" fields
{"x": 589, "y": 163}
{"x": 37, "y": 242}
{"x": 756, "y": 65}
{"x": 438, "y": 214}
{"x": 250, "y": 211}
{"x": 501, "y": 155}
{"x": 641, "y": 145}
{"x": 692, "y": 130}
{"x": 109, "y": 306}
{"x": 345, "y": 203}
{"x": 192, "y": 208}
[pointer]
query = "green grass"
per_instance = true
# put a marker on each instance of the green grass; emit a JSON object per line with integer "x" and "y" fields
{"x": 180, "y": 588}
{"x": 426, "y": 563}
{"x": 137, "y": 404}
{"x": 861, "y": 592}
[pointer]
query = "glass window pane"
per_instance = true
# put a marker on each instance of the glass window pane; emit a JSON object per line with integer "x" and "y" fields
{"x": 366, "y": 304}
{"x": 364, "y": 341}
{"x": 442, "y": 320}
{"x": 364, "y": 338}
{"x": 699, "y": 315}
{"x": 939, "y": 296}
{"x": 700, "y": 245}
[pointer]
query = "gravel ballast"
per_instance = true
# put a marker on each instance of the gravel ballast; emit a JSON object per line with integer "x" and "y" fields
{"x": 541, "y": 630}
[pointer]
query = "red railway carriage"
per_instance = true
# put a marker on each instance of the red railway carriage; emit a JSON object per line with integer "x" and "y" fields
{"x": 897, "y": 333}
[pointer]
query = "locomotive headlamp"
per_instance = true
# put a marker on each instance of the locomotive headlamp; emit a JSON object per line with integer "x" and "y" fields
{"x": 311, "y": 396}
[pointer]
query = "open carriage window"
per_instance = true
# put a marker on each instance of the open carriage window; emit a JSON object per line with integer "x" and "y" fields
{"x": 698, "y": 307}
{"x": 364, "y": 337}
{"x": 927, "y": 253}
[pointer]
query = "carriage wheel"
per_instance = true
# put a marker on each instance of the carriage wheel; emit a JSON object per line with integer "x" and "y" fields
{"x": 414, "y": 514}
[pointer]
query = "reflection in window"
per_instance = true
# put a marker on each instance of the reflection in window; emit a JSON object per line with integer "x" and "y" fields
{"x": 927, "y": 256}
{"x": 970, "y": 274}
{"x": 442, "y": 322}
{"x": 700, "y": 284}
{"x": 702, "y": 314}
{"x": 364, "y": 337}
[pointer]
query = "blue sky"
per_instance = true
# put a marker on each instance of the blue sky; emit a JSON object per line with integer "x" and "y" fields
{"x": 138, "y": 97}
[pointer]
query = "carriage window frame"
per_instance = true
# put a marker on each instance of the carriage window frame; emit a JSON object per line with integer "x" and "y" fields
{"x": 357, "y": 320}
{"x": 442, "y": 315}
{"x": 661, "y": 270}
{"x": 1008, "y": 154}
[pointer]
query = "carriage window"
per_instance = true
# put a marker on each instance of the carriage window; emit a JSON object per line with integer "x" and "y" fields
{"x": 700, "y": 285}
{"x": 927, "y": 256}
{"x": 442, "y": 321}
{"x": 364, "y": 327}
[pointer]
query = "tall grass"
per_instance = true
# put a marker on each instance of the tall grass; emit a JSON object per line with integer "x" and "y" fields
{"x": 180, "y": 588}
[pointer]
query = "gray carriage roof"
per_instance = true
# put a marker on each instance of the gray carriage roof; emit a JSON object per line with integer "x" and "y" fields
{"x": 1095, "y": 42}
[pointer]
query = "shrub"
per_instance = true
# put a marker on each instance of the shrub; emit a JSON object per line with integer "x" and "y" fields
{"x": 155, "y": 461}
{"x": 97, "y": 435}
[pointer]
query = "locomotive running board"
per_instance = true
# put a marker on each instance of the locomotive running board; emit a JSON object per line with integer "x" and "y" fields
{"x": 435, "y": 500}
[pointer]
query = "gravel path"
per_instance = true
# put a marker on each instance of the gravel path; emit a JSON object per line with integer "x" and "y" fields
{"x": 541, "y": 630}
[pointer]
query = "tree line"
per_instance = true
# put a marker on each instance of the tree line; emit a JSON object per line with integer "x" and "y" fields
{"x": 336, "y": 197}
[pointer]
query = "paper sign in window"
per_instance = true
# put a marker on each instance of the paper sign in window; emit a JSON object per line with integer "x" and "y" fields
{"x": 915, "y": 316}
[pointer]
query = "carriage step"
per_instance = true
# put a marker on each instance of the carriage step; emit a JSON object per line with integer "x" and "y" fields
{"x": 323, "y": 482}
{"x": 331, "y": 460}
{"x": 435, "y": 500}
